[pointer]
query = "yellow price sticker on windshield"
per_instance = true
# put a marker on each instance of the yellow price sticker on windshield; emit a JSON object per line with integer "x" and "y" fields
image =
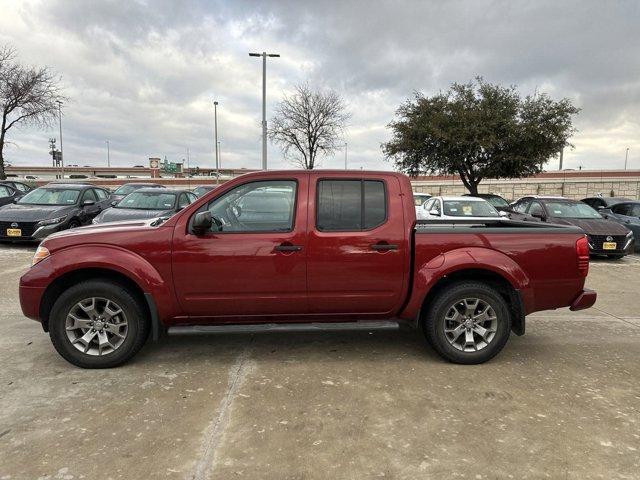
{"x": 467, "y": 210}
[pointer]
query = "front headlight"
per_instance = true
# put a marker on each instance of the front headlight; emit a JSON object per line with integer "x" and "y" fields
{"x": 630, "y": 234}
{"x": 41, "y": 254}
{"x": 52, "y": 221}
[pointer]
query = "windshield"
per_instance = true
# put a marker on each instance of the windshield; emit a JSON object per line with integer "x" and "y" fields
{"x": 148, "y": 201}
{"x": 571, "y": 210}
{"x": 201, "y": 190}
{"x": 469, "y": 208}
{"x": 497, "y": 201}
{"x": 418, "y": 200}
{"x": 50, "y": 196}
{"x": 126, "y": 189}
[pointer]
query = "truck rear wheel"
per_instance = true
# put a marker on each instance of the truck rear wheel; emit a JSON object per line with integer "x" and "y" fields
{"x": 97, "y": 324}
{"x": 468, "y": 323}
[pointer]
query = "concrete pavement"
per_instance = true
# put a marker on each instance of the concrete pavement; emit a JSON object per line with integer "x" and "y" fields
{"x": 561, "y": 402}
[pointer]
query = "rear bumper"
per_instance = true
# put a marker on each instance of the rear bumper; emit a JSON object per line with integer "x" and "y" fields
{"x": 585, "y": 299}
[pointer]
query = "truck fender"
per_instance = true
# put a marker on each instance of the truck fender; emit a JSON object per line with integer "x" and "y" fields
{"x": 468, "y": 258}
{"x": 116, "y": 259}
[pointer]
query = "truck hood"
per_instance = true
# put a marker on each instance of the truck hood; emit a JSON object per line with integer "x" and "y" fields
{"x": 120, "y": 214}
{"x": 16, "y": 212}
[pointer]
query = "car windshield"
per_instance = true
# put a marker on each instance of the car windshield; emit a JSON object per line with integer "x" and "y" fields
{"x": 418, "y": 200}
{"x": 469, "y": 208}
{"x": 126, "y": 189}
{"x": 50, "y": 196}
{"x": 497, "y": 201}
{"x": 571, "y": 210}
{"x": 148, "y": 201}
{"x": 201, "y": 190}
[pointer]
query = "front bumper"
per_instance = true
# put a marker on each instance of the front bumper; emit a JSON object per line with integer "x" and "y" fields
{"x": 585, "y": 299}
{"x": 627, "y": 247}
{"x": 39, "y": 234}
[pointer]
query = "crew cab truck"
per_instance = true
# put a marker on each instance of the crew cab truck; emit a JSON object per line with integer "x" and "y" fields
{"x": 301, "y": 247}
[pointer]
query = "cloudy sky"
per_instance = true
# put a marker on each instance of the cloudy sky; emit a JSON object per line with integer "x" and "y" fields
{"x": 143, "y": 74}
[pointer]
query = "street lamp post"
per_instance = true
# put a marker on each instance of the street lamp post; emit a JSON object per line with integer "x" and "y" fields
{"x": 264, "y": 56}
{"x": 219, "y": 155}
{"x": 60, "y": 125}
{"x": 108, "y": 155}
{"x": 345, "y": 155}
{"x": 626, "y": 157}
{"x": 215, "y": 129}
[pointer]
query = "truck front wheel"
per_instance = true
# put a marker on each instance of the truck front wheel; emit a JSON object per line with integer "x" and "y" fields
{"x": 97, "y": 324}
{"x": 468, "y": 323}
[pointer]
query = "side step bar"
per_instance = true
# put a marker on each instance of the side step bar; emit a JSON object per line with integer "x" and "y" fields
{"x": 284, "y": 327}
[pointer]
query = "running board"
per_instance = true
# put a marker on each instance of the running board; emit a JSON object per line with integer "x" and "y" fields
{"x": 284, "y": 327}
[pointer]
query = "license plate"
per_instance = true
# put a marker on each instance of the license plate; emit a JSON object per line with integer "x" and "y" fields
{"x": 609, "y": 245}
{"x": 14, "y": 232}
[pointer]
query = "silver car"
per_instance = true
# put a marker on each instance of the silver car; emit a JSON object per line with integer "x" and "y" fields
{"x": 457, "y": 208}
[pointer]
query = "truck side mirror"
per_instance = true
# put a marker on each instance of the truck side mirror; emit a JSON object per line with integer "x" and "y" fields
{"x": 202, "y": 222}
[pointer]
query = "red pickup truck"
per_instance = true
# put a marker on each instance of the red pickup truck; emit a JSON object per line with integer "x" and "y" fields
{"x": 301, "y": 247}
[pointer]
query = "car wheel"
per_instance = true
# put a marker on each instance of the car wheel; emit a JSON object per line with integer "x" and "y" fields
{"x": 468, "y": 323}
{"x": 74, "y": 223}
{"x": 98, "y": 324}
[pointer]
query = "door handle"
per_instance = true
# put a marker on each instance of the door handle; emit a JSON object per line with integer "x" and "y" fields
{"x": 288, "y": 248}
{"x": 383, "y": 247}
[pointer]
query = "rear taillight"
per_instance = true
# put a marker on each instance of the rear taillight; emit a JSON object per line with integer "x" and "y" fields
{"x": 582, "y": 251}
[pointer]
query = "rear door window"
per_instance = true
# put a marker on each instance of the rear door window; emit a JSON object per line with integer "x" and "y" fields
{"x": 350, "y": 205}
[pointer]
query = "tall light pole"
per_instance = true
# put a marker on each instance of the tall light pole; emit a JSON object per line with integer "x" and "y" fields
{"x": 219, "y": 155}
{"x": 345, "y": 155}
{"x": 215, "y": 129}
{"x": 626, "y": 157}
{"x": 60, "y": 125}
{"x": 264, "y": 56}
{"x": 108, "y": 155}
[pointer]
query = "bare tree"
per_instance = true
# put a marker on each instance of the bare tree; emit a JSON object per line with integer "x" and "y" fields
{"x": 308, "y": 124}
{"x": 28, "y": 96}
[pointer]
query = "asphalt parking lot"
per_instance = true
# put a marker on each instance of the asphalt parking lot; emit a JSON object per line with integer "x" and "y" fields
{"x": 561, "y": 402}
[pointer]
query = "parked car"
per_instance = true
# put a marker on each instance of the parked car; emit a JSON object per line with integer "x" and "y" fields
{"x": 8, "y": 195}
{"x": 202, "y": 189}
{"x": 603, "y": 202}
{"x": 605, "y": 236}
{"x": 50, "y": 209}
{"x": 626, "y": 213}
{"x": 497, "y": 201}
{"x": 342, "y": 247}
{"x": 21, "y": 187}
{"x": 452, "y": 208}
{"x": 145, "y": 203}
{"x": 419, "y": 199}
{"x": 127, "y": 188}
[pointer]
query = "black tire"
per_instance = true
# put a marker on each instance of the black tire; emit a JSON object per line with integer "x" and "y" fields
{"x": 137, "y": 324}
{"x": 434, "y": 322}
{"x": 74, "y": 223}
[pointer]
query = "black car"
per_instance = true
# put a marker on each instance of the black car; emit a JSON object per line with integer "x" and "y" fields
{"x": 202, "y": 189}
{"x": 50, "y": 209}
{"x": 19, "y": 186}
{"x": 496, "y": 200}
{"x": 147, "y": 203}
{"x": 626, "y": 213}
{"x": 8, "y": 194}
{"x": 603, "y": 202}
{"x": 605, "y": 236}
{"x": 127, "y": 188}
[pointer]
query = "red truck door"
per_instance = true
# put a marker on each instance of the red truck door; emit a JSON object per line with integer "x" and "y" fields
{"x": 256, "y": 265}
{"x": 357, "y": 256}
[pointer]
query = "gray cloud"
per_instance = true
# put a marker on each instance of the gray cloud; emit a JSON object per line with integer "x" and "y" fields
{"x": 143, "y": 74}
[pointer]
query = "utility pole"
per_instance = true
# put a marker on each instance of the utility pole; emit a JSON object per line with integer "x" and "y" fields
{"x": 188, "y": 170}
{"x": 264, "y": 56}
{"x": 561, "y": 155}
{"x": 626, "y": 157}
{"x": 215, "y": 129}
{"x": 60, "y": 125}
{"x": 108, "y": 155}
{"x": 345, "y": 155}
{"x": 219, "y": 155}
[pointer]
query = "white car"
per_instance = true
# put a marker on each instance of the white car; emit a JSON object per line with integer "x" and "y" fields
{"x": 456, "y": 208}
{"x": 419, "y": 199}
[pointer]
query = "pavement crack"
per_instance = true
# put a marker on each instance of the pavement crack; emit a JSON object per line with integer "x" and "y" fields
{"x": 215, "y": 431}
{"x": 616, "y": 317}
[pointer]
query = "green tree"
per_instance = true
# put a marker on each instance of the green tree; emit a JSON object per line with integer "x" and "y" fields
{"x": 479, "y": 130}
